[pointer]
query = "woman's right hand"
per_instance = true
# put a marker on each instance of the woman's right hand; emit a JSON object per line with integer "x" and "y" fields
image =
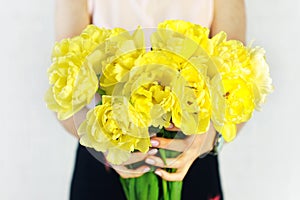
{"x": 124, "y": 172}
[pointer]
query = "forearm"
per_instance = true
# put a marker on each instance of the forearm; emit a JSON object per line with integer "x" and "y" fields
{"x": 230, "y": 16}
{"x": 239, "y": 127}
{"x": 71, "y": 17}
{"x": 72, "y": 124}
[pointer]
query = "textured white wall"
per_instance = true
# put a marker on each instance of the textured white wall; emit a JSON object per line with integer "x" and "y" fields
{"x": 263, "y": 162}
{"x": 37, "y": 155}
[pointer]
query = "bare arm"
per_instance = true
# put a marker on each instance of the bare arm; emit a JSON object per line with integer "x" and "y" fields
{"x": 230, "y": 16}
{"x": 71, "y": 17}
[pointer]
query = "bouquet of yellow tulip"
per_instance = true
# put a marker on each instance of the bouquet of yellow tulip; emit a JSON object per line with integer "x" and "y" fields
{"x": 186, "y": 78}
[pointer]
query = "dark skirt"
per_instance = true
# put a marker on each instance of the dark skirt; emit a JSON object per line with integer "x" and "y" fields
{"x": 93, "y": 181}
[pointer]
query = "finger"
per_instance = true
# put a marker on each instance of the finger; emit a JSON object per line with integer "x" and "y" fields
{"x": 172, "y": 127}
{"x": 179, "y": 145}
{"x": 131, "y": 173}
{"x": 170, "y": 162}
{"x": 135, "y": 157}
{"x": 138, "y": 156}
{"x": 174, "y": 176}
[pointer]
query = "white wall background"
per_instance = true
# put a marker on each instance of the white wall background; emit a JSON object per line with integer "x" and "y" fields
{"x": 37, "y": 155}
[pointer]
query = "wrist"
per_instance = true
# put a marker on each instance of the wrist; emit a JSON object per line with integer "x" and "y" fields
{"x": 217, "y": 145}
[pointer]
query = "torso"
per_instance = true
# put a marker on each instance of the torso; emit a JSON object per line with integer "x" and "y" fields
{"x": 90, "y": 178}
{"x": 129, "y": 14}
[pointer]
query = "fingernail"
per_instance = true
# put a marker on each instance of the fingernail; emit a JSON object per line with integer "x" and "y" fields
{"x": 157, "y": 173}
{"x": 152, "y": 152}
{"x": 171, "y": 125}
{"x": 150, "y": 161}
{"x": 147, "y": 169}
{"x": 154, "y": 143}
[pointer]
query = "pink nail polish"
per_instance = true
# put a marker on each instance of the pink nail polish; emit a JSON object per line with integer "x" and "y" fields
{"x": 171, "y": 125}
{"x": 147, "y": 169}
{"x": 154, "y": 143}
{"x": 158, "y": 173}
{"x": 150, "y": 161}
{"x": 152, "y": 152}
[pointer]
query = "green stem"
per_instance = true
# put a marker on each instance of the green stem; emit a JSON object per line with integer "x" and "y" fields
{"x": 148, "y": 186}
{"x": 165, "y": 189}
{"x": 132, "y": 188}
{"x": 164, "y": 182}
{"x": 125, "y": 184}
{"x": 172, "y": 189}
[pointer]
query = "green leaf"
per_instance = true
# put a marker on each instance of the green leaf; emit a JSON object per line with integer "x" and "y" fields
{"x": 175, "y": 188}
{"x": 132, "y": 185}
{"x": 153, "y": 191}
{"x": 141, "y": 188}
{"x": 125, "y": 185}
{"x": 101, "y": 92}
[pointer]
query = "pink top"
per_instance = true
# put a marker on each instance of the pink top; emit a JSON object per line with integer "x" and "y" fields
{"x": 129, "y": 14}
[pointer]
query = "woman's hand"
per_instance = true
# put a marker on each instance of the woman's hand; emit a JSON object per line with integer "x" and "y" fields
{"x": 124, "y": 172}
{"x": 191, "y": 147}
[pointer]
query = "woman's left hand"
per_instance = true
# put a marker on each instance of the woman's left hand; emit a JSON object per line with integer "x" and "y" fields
{"x": 191, "y": 147}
